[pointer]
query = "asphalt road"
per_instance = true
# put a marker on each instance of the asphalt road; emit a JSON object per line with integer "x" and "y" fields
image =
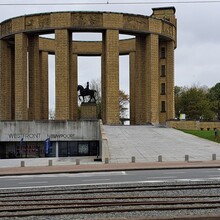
{"x": 118, "y": 177}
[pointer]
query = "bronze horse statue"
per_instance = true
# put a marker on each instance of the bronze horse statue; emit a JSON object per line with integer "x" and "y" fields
{"x": 86, "y": 92}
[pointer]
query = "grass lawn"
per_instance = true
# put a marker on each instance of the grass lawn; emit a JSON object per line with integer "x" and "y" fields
{"x": 204, "y": 134}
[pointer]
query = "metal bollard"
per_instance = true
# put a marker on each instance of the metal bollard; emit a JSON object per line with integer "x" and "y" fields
{"x": 106, "y": 160}
{"x": 50, "y": 163}
{"x": 213, "y": 156}
{"x": 133, "y": 159}
{"x": 186, "y": 158}
{"x": 77, "y": 161}
{"x": 160, "y": 159}
{"x": 22, "y": 163}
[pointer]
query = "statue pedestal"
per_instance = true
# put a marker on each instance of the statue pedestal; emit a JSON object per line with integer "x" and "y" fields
{"x": 89, "y": 111}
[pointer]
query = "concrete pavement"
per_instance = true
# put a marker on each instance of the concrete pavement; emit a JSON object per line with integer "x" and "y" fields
{"x": 146, "y": 143}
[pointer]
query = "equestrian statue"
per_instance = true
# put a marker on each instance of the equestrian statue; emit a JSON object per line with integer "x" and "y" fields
{"x": 86, "y": 92}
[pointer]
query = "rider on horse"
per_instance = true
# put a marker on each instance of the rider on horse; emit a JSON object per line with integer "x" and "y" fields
{"x": 87, "y": 86}
{"x": 86, "y": 92}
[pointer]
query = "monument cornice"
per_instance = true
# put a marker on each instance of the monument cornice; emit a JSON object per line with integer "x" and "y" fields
{"x": 47, "y": 23}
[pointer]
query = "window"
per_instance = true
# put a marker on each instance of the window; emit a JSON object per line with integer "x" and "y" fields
{"x": 72, "y": 148}
{"x": 163, "y": 53}
{"x": 63, "y": 149}
{"x": 78, "y": 148}
{"x": 163, "y": 70}
{"x": 94, "y": 148}
{"x": 163, "y": 106}
{"x": 163, "y": 89}
{"x": 83, "y": 149}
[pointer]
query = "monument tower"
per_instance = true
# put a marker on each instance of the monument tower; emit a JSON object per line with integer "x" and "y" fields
{"x": 24, "y": 64}
{"x": 24, "y": 104}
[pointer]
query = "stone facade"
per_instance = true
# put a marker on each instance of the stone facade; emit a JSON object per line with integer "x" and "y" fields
{"x": 24, "y": 64}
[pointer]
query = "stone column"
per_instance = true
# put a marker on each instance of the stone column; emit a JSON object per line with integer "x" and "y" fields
{"x": 152, "y": 78}
{"x": 63, "y": 68}
{"x": 73, "y": 89}
{"x": 162, "y": 64}
{"x": 21, "y": 110}
{"x": 110, "y": 77}
{"x": 44, "y": 94}
{"x": 34, "y": 78}
{"x": 12, "y": 83}
{"x": 132, "y": 87}
{"x": 170, "y": 81}
{"x": 146, "y": 80}
{"x": 103, "y": 81}
{"x": 140, "y": 80}
{"x": 5, "y": 81}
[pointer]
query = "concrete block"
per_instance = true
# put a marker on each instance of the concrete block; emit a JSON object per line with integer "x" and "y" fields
{"x": 160, "y": 158}
{"x": 106, "y": 160}
{"x": 50, "y": 163}
{"x": 77, "y": 161}
{"x": 213, "y": 156}
{"x": 133, "y": 159}
{"x": 187, "y": 158}
{"x": 22, "y": 163}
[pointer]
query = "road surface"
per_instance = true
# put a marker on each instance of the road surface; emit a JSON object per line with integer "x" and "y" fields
{"x": 117, "y": 177}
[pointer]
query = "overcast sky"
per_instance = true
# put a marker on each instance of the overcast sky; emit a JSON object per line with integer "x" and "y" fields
{"x": 197, "y": 56}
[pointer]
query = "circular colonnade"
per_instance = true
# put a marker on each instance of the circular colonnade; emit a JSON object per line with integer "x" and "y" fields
{"x": 24, "y": 64}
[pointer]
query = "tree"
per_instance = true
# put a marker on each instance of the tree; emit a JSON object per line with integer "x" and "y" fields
{"x": 214, "y": 95}
{"x": 194, "y": 102}
{"x": 178, "y": 93}
{"x": 123, "y": 104}
{"x": 96, "y": 85}
{"x": 51, "y": 114}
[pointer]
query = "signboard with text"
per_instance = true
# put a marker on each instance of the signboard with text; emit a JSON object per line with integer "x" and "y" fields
{"x": 55, "y": 130}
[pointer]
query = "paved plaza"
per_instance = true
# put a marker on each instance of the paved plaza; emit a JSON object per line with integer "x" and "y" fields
{"x": 146, "y": 143}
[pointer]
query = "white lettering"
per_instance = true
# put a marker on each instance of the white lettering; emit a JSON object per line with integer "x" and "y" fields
{"x": 35, "y": 136}
{"x": 61, "y": 136}
{"x": 28, "y": 136}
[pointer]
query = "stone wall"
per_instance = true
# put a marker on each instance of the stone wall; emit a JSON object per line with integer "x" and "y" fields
{"x": 193, "y": 125}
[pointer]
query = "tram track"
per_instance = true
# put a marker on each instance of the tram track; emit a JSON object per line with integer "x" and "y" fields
{"x": 114, "y": 189}
{"x": 135, "y": 201}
